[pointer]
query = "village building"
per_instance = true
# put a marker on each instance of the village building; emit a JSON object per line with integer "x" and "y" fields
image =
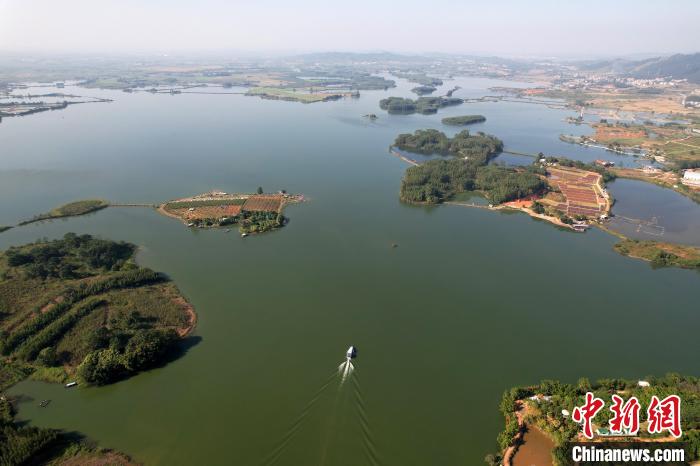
{"x": 691, "y": 178}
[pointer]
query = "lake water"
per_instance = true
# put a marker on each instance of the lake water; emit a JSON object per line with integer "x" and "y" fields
{"x": 470, "y": 303}
{"x": 649, "y": 212}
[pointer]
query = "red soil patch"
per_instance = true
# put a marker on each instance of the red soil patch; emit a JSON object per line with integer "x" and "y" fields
{"x": 191, "y": 316}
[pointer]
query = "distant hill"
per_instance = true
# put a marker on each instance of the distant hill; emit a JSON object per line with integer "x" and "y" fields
{"x": 677, "y": 66}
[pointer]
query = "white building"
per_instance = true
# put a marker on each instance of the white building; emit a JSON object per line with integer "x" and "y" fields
{"x": 692, "y": 178}
{"x": 643, "y": 383}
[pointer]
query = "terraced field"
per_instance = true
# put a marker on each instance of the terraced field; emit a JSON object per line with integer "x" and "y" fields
{"x": 580, "y": 190}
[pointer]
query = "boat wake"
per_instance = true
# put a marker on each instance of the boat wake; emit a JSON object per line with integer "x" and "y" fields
{"x": 345, "y": 369}
{"x": 336, "y": 418}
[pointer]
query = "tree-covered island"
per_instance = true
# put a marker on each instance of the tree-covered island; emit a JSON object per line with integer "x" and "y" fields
{"x": 463, "y": 120}
{"x": 423, "y": 90}
{"x": 423, "y": 105}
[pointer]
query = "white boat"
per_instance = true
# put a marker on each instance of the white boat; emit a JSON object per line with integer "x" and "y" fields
{"x": 351, "y": 353}
{"x": 71, "y": 384}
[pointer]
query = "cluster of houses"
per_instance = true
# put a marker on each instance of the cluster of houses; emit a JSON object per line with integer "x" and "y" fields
{"x": 604, "y": 163}
{"x": 579, "y": 81}
{"x": 691, "y": 178}
{"x": 539, "y": 398}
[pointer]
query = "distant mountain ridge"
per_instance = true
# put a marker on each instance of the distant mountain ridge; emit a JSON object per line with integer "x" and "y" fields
{"x": 677, "y": 66}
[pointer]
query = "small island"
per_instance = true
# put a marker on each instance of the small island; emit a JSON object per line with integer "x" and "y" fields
{"x": 423, "y": 105}
{"x": 463, "y": 120}
{"x": 253, "y": 213}
{"x": 71, "y": 209}
{"x": 542, "y": 413}
{"x": 423, "y": 90}
{"x": 4, "y": 228}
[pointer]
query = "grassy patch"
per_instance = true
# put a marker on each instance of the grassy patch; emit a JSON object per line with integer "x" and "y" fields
{"x": 70, "y": 210}
{"x": 50, "y": 374}
{"x": 661, "y": 254}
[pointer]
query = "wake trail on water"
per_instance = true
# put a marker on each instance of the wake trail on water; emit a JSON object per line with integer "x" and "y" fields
{"x": 369, "y": 447}
{"x": 346, "y": 368}
{"x": 348, "y": 403}
{"x": 275, "y": 455}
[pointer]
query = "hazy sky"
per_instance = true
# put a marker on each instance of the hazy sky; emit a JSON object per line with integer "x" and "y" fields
{"x": 564, "y": 27}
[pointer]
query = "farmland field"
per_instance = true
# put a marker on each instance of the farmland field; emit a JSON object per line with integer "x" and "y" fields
{"x": 263, "y": 203}
{"x": 579, "y": 189}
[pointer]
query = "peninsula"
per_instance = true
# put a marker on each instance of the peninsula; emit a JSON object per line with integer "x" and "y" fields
{"x": 567, "y": 193}
{"x": 561, "y": 191}
{"x": 80, "y": 309}
{"x": 89, "y": 312}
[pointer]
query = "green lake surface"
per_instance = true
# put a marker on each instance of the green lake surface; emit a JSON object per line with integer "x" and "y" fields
{"x": 470, "y": 303}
